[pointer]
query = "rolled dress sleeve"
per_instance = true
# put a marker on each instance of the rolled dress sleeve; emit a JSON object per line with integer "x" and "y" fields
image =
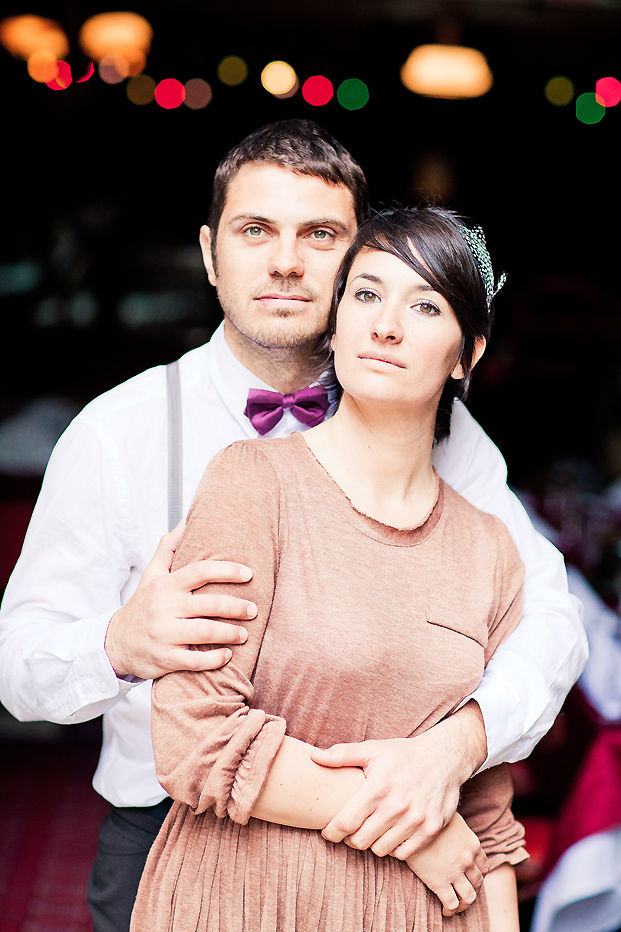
{"x": 212, "y": 749}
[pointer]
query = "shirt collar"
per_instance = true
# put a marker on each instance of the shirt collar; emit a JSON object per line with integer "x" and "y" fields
{"x": 233, "y": 381}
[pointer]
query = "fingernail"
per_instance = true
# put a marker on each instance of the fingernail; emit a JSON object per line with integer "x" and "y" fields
{"x": 227, "y": 655}
{"x": 243, "y": 635}
{"x": 251, "y": 611}
{"x": 245, "y": 573}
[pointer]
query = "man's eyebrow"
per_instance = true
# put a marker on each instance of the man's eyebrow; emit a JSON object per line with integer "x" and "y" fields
{"x": 318, "y": 222}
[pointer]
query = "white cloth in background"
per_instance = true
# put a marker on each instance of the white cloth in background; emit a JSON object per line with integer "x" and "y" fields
{"x": 103, "y": 509}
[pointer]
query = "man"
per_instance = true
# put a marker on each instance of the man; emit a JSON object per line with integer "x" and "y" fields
{"x": 87, "y": 618}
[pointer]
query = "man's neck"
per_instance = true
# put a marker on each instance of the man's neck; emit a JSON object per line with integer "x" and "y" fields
{"x": 285, "y": 369}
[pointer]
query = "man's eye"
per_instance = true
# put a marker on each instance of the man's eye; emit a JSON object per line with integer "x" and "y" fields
{"x": 366, "y": 296}
{"x": 322, "y": 235}
{"x": 254, "y": 231}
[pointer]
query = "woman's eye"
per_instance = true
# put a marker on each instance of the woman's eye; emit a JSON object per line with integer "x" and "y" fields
{"x": 366, "y": 296}
{"x": 430, "y": 310}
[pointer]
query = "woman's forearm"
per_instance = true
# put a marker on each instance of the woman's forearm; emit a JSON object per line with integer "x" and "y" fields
{"x": 301, "y": 793}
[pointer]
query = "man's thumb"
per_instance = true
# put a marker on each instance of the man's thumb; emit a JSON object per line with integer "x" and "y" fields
{"x": 340, "y": 755}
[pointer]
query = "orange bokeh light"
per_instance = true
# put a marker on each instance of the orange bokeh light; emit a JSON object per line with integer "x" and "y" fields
{"x": 24, "y": 35}
{"x": 42, "y": 66}
{"x": 449, "y": 71}
{"x": 127, "y": 35}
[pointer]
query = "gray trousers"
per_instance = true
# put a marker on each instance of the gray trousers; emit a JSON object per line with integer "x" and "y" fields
{"x": 125, "y": 839}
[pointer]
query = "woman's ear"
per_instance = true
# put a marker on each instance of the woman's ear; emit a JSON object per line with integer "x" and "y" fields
{"x": 479, "y": 349}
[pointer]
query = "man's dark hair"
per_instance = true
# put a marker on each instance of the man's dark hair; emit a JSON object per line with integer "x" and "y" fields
{"x": 448, "y": 264}
{"x": 299, "y": 145}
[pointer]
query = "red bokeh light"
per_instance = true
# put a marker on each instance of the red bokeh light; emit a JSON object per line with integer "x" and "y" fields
{"x": 63, "y": 79}
{"x": 87, "y": 74}
{"x": 170, "y": 93}
{"x": 317, "y": 90}
{"x": 609, "y": 91}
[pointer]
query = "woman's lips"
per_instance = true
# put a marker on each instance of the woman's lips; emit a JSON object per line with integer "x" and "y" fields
{"x": 380, "y": 357}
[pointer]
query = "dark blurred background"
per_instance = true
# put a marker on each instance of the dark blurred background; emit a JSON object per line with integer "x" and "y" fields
{"x": 101, "y": 274}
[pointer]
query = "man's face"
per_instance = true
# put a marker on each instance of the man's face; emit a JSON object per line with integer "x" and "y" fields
{"x": 280, "y": 241}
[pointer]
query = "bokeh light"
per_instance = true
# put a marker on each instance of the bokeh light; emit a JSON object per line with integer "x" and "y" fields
{"x": 447, "y": 71}
{"x": 90, "y": 71}
{"x": 23, "y": 35}
{"x": 559, "y": 91}
{"x": 141, "y": 89}
{"x": 170, "y": 93}
{"x": 42, "y": 66}
{"x": 609, "y": 91}
{"x": 588, "y": 109}
{"x": 317, "y": 90}
{"x": 279, "y": 78}
{"x": 198, "y": 93}
{"x": 125, "y": 34}
{"x": 352, "y": 94}
{"x": 113, "y": 68}
{"x": 63, "y": 77}
{"x": 232, "y": 70}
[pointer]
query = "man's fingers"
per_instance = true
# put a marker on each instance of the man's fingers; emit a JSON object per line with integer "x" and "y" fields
{"x": 198, "y": 574}
{"x": 200, "y": 631}
{"x": 197, "y": 660}
{"x": 214, "y": 605}
{"x": 341, "y": 755}
{"x": 349, "y": 819}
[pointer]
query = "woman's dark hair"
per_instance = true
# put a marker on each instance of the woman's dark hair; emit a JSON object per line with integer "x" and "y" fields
{"x": 446, "y": 262}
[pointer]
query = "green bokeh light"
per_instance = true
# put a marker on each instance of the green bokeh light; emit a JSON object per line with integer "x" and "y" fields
{"x": 352, "y": 94}
{"x": 588, "y": 110}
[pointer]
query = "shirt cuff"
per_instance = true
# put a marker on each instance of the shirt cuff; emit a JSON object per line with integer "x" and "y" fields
{"x": 501, "y": 711}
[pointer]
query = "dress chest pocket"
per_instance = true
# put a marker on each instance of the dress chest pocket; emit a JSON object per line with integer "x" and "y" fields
{"x": 461, "y": 618}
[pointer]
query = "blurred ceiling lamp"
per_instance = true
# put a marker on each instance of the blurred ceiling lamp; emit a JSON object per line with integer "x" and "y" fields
{"x": 125, "y": 35}
{"x": 22, "y": 36}
{"x": 450, "y": 71}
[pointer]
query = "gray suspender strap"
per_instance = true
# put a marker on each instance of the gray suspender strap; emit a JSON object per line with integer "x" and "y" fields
{"x": 175, "y": 446}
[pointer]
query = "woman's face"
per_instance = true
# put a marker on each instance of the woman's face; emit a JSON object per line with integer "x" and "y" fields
{"x": 397, "y": 340}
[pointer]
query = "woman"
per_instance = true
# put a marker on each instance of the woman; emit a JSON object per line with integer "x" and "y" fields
{"x": 362, "y": 554}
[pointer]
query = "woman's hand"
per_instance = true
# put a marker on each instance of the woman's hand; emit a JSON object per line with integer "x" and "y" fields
{"x": 453, "y": 866}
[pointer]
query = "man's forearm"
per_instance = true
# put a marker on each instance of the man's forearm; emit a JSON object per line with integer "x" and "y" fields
{"x": 463, "y": 734}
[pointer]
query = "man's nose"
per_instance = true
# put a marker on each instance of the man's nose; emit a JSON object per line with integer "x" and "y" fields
{"x": 285, "y": 257}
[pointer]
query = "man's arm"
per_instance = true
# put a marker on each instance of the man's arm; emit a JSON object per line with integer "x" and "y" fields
{"x": 526, "y": 681}
{"x": 68, "y": 584}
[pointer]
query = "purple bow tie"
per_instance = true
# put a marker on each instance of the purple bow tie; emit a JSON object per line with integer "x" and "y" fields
{"x": 265, "y": 409}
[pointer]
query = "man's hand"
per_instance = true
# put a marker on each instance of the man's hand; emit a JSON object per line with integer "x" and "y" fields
{"x": 153, "y": 632}
{"x": 412, "y": 784}
{"x": 453, "y": 866}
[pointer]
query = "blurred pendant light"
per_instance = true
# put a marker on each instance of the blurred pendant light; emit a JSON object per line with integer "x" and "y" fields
{"x": 121, "y": 41}
{"x": 449, "y": 71}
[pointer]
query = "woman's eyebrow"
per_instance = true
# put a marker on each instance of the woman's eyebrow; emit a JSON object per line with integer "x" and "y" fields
{"x": 378, "y": 281}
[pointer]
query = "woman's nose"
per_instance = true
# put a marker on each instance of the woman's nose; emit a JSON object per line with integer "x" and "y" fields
{"x": 387, "y": 324}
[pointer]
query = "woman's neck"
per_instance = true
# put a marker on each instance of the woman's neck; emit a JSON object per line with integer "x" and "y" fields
{"x": 381, "y": 460}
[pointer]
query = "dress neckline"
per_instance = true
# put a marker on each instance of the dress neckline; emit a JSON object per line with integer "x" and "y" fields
{"x": 369, "y": 526}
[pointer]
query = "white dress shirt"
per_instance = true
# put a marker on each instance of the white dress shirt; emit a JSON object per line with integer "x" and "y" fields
{"x": 99, "y": 518}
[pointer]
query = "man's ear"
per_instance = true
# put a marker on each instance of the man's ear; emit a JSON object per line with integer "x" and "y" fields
{"x": 205, "y": 241}
{"x": 479, "y": 349}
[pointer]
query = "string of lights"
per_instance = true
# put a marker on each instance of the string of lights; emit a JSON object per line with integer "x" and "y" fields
{"x": 120, "y": 43}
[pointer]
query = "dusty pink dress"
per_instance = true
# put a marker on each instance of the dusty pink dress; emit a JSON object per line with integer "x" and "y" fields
{"x": 363, "y": 631}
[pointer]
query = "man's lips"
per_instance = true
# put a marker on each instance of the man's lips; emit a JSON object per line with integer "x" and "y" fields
{"x": 381, "y": 357}
{"x": 275, "y": 296}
